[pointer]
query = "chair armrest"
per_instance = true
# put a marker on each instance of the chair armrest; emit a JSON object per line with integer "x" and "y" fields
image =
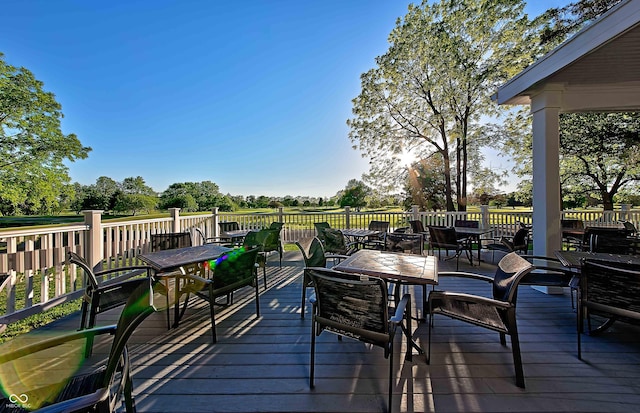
{"x": 478, "y": 299}
{"x": 196, "y": 278}
{"x": 54, "y": 341}
{"x": 400, "y": 309}
{"x": 123, "y": 269}
{"x": 337, "y": 256}
{"x": 465, "y": 275}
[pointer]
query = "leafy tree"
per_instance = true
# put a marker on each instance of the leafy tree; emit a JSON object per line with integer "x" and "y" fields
{"x": 32, "y": 146}
{"x": 262, "y": 201}
{"x": 433, "y": 84}
{"x": 561, "y": 22}
{"x": 600, "y": 152}
{"x": 274, "y": 204}
{"x": 354, "y": 194}
{"x": 426, "y": 186}
{"x": 126, "y": 202}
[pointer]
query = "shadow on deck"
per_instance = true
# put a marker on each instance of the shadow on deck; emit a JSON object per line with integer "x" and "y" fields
{"x": 262, "y": 365}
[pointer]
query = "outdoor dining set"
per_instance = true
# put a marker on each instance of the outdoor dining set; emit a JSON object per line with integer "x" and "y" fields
{"x": 356, "y": 277}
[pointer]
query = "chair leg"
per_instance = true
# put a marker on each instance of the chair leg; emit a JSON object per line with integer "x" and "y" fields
{"x": 391, "y": 372}
{"x": 264, "y": 275}
{"x": 212, "y": 310}
{"x": 580, "y": 323}
{"x": 304, "y": 297}
{"x": 313, "y": 355}
{"x": 257, "y": 300}
{"x": 429, "y": 339}
{"x": 517, "y": 361}
{"x": 515, "y": 348}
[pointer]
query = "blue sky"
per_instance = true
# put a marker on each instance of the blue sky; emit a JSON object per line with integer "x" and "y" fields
{"x": 251, "y": 95}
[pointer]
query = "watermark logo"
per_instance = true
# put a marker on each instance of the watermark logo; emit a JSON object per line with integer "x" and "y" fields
{"x": 19, "y": 401}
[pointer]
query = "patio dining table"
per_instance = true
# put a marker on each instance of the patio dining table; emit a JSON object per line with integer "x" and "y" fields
{"x": 400, "y": 268}
{"x": 358, "y": 235}
{"x": 474, "y": 234}
{"x": 166, "y": 263}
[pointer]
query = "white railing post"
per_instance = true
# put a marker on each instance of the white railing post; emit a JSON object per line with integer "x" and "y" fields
{"x": 415, "y": 212}
{"x": 93, "y": 246}
{"x": 281, "y": 214}
{"x": 175, "y": 216}
{"x": 625, "y": 210}
{"x": 484, "y": 216}
{"x": 347, "y": 217}
{"x": 215, "y": 231}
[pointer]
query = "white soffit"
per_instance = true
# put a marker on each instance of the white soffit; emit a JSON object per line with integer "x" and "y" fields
{"x": 604, "y": 56}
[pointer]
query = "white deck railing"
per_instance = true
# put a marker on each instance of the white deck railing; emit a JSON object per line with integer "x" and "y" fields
{"x": 34, "y": 277}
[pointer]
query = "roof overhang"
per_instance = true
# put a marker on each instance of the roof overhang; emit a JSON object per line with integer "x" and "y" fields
{"x": 598, "y": 69}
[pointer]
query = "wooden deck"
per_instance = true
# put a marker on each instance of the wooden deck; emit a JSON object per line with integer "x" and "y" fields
{"x": 262, "y": 365}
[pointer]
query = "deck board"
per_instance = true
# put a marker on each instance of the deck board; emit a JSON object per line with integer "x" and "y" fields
{"x": 262, "y": 365}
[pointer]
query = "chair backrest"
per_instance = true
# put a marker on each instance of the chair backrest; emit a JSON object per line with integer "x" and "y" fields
{"x": 629, "y": 228}
{"x": 203, "y": 238}
{"x": 320, "y": 227}
{"x": 350, "y": 305}
{"x": 608, "y": 240}
{"x": 401, "y": 242}
{"x": 228, "y": 226}
{"x": 252, "y": 240}
{"x": 276, "y": 225}
{"x": 611, "y": 288}
{"x": 271, "y": 240}
{"x": 235, "y": 268}
{"x": 382, "y": 226}
{"x": 443, "y": 237}
{"x": 572, "y": 223}
{"x": 312, "y": 252}
{"x": 138, "y": 307}
{"x": 266, "y": 239}
{"x": 521, "y": 240}
{"x": 170, "y": 240}
{"x": 417, "y": 226}
{"x": 92, "y": 281}
{"x": 465, "y": 223}
{"x": 334, "y": 241}
{"x": 511, "y": 269}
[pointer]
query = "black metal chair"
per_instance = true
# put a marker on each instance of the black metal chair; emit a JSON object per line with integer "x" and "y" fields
{"x": 320, "y": 227}
{"x": 446, "y": 238}
{"x": 105, "y": 294}
{"x": 336, "y": 244}
{"x": 376, "y": 241}
{"x": 608, "y": 240}
{"x": 610, "y": 291}
{"x": 212, "y": 240}
{"x": 225, "y": 227}
{"x": 518, "y": 243}
{"x": 266, "y": 240}
{"x": 402, "y": 242}
{"x": 497, "y": 313}
{"x": 356, "y": 307}
{"x": 314, "y": 256}
{"x": 230, "y": 272}
{"x": 570, "y": 227}
{"x": 100, "y": 389}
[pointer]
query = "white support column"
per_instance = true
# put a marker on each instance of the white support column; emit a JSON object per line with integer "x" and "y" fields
{"x": 545, "y": 107}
